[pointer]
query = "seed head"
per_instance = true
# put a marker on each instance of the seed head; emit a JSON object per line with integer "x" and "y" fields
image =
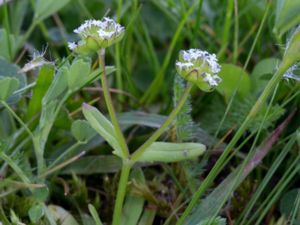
{"x": 199, "y": 67}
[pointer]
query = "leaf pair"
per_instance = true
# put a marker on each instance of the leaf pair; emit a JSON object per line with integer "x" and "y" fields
{"x": 71, "y": 78}
{"x": 158, "y": 151}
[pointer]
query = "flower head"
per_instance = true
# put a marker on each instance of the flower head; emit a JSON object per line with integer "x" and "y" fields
{"x": 199, "y": 67}
{"x": 97, "y": 34}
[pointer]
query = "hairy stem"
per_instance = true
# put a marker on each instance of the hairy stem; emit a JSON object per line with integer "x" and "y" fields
{"x": 139, "y": 152}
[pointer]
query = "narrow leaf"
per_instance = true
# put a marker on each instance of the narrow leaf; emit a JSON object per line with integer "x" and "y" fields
{"x": 102, "y": 125}
{"x": 172, "y": 152}
{"x": 95, "y": 215}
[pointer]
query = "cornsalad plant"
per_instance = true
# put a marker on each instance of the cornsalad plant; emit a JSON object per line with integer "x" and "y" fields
{"x": 65, "y": 161}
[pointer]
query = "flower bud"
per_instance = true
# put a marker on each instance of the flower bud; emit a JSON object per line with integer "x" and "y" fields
{"x": 97, "y": 34}
{"x": 200, "y": 68}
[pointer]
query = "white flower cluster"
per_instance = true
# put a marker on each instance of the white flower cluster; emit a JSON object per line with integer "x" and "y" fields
{"x": 106, "y": 28}
{"x": 194, "y": 55}
{"x": 97, "y": 33}
{"x": 199, "y": 67}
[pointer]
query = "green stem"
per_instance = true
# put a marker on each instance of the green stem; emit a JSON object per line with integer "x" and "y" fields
{"x": 121, "y": 192}
{"x": 110, "y": 107}
{"x": 220, "y": 163}
{"x": 139, "y": 152}
{"x": 118, "y": 56}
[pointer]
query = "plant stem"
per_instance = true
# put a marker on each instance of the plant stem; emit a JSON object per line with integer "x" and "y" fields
{"x": 139, "y": 152}
{"x": 220, "y": 163}
{"x": 121, "y": 192}
{"x": 110, "y": 107}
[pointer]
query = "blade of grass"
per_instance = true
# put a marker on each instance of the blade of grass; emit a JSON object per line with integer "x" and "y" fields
{"x": 8, "y": 30}
{"x": 277, "y": 191}
{"x": 236, "y": 33}
{"x": 226, "y": 31}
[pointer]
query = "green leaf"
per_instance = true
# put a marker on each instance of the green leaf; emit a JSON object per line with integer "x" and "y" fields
{"x": 103, "y": 126}
{"x": 141, "y": 118}
{"x": 213, "y": 221}
{"x": 11, "y": 70}
{"x": 172, "y": 152}
{"x": 8, "y": 45}
{"x": 286, "y": 15}
{"x": 262, "y": 72}
{"x": 43, "y": 82}
{"x": 148, "y": 217}
{"x": 133, "y": 206}
{"x": 230, "y": 75}
{"x": 288, "y": 202}
{"x": 17, "y": 14}
{"x": 82, "y": 131}
{"x": 45, "y": 8}
{"x": 40, "y": 194}
{"x": 7, "y": 87}
{"x": 94, "y": 164}
{"x": 58, "y": 85}
{"x": 36, "y": 212}
{"x": 95, "y": 215}
{"x": 78, "y": 71}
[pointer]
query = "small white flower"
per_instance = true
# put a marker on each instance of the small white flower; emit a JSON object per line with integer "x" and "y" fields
{"x": 194, "y": 55}
{"x": 212, "y": 80}
{"x": 72, "y": 45}
{"x": 293, "y": 72}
